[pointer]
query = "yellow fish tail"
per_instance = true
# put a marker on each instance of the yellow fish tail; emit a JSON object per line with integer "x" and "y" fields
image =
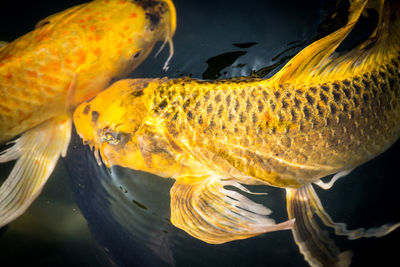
{"x": 37, "y": 151}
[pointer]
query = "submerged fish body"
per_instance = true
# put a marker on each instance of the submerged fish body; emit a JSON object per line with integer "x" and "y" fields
{"x": 68, "y": 58}
{"x": 323, "y": 113}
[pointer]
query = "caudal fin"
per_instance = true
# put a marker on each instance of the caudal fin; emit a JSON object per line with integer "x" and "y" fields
{"x": 37, "y": 151}
{"x": 314, "y": 243}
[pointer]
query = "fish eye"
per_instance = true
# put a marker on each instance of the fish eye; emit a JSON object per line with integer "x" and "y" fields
{"x": 114, "y": 138}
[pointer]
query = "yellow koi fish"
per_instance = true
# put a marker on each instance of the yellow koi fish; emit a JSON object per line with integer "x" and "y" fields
{"x": 321, "y": 114}
{"x": 45, "y": 74}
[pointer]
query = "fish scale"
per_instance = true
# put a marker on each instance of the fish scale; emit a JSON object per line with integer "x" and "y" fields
{"x": 320, "y": 126}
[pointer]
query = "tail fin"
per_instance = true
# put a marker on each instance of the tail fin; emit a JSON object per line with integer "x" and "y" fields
{"x": 314, "y": 243}
{"x": 320, "y": 59}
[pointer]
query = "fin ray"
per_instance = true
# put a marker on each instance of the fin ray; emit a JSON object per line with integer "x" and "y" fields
{"x": 203, "y": 208}
{"x": 37, "y": 151}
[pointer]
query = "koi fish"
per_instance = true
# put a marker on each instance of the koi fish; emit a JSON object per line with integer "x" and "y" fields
{"x": 323, "y": 113}
{"x": 68, "y": 58}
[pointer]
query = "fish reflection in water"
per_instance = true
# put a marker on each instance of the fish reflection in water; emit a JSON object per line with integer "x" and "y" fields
{"x": 153, "y": 126}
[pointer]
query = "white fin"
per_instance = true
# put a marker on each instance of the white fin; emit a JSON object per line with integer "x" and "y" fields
{"x": 38, "y": 151}
{"x": 335, "y": 177}
{"x": 203, "y": 208}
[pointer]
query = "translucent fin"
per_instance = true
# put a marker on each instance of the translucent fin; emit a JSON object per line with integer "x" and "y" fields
{"x": 335, "y": 177}
{"x": 203, "y": 208}
{"x": 319, "y": 59}
{"x": 314, "y": 243}
{"x": 37, "y": 151}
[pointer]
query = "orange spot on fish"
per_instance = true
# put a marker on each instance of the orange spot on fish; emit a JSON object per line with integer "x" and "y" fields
{"x": 81, "y": 55}
{"x": 97, "y": 51}
{"x": 103, "y": 18}
{"x": 130, "y": 40}
{"x": 126, "y": 27}
{"x": 98, "y": 37}
{"x": 9, "y": 76}
{"x": 133, "y": 15}
{"x": 82, "y": 20}
{"x": 31, "y": 74}
{"x": 55, "y": 66}
{"x": 267, "y": 117}
{"x": 93, "y": 28}
{"x": 107, "y": 1}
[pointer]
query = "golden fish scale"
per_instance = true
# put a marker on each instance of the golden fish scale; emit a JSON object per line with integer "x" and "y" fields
{"x": 283, "y": 135}
{"x": 38, "y": 68}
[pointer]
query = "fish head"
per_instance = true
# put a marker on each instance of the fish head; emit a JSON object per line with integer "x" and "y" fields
{"x": 109, "y": 122}
{"x": 136, "y": 26}
{"x": 107, "y": 39}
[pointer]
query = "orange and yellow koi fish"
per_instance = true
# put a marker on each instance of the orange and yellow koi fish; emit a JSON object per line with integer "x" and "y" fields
{"x": 323, "y": 113}
{"x": 68, "y": 58}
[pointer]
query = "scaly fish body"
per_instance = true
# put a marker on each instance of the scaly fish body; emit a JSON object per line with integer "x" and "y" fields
{"x": 45, "y": 74}
{"x": 73, "y": 54}
{"x": 323, "y": 113}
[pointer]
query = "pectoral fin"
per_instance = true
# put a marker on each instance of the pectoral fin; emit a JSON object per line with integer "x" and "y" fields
{"x": 37, "y": 152}
{"x": 203, "y": 208}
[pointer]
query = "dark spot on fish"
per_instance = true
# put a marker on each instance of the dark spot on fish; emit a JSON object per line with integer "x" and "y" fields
{"x": 207, "y": 96}
{"x": 140, "y": 205}
{"x": 310, "y": 99}
{"x": 355, "y": 101}
{"x": 254, "y": 118}
{"x": 260, "y": 106}
{"x": 265, "y": 95}
{"x": 200, "y": 120}
{"x": 277, "y": 95}
{"x": 374, "y": 78}
{"x": 365, "y": 98}
{"x": 242, "y": 117}
{"x": 346, "y": 92}
{"x": 220, "y": 110}
{"x": 296, "y": 102}
{"x": 217, "y": 98}
{"x": 189, "y": 115}
{"x": 313, "y": 90}
{"x": 328, "y": 122}
{"x": 306, "y": 112}
{"x": 325, "y": 88}
{"x": 137, "y": 93}
{"x": 86, "y": 109}
{"x": 392, "y": 83}
{"x": 236, "y": 105}
{"x": 163, "y": 104}
{"x": 323, "y": 97}
{"x": 95, "y": 116}
{"x": 366, "y": 84}
{"x": 336, "y": 86}
{"x": 300, "y": 92}
{"x": 383, "y": 75}
{"x": 395, "y": 63}
{"x": 175, "y": 116}
{"x": 223, "y": 127}
{"x": 230, "y": 116}
{"x": 236, "y": 130}
{"x": 294, "y": 115}
{"x": 345, "y": 107}
{"x": 273, "y": 130}
{"x": 320, "y": 110}
{"x": 336, "y": 96}
{"x": 248, "y": 105}
{"x": 346, "y": 82}
{"x": 357, "y": 87}
{"x": 212, "y": 124}
{"x": 228, "y": 100}
{"x": 333, "y": 109}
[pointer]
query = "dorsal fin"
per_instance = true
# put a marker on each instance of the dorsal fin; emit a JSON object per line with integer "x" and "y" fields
{"x": 301, "y": 68}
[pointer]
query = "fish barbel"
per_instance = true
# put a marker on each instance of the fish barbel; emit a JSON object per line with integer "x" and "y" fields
{"x": 322, "y": 113}
{"x": 68, "y": 58}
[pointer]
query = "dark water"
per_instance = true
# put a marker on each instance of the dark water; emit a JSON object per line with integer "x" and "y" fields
{"x": 89, "y": 217}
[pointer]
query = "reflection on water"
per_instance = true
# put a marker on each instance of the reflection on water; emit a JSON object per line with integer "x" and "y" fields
{"x": 128, "y": 212}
